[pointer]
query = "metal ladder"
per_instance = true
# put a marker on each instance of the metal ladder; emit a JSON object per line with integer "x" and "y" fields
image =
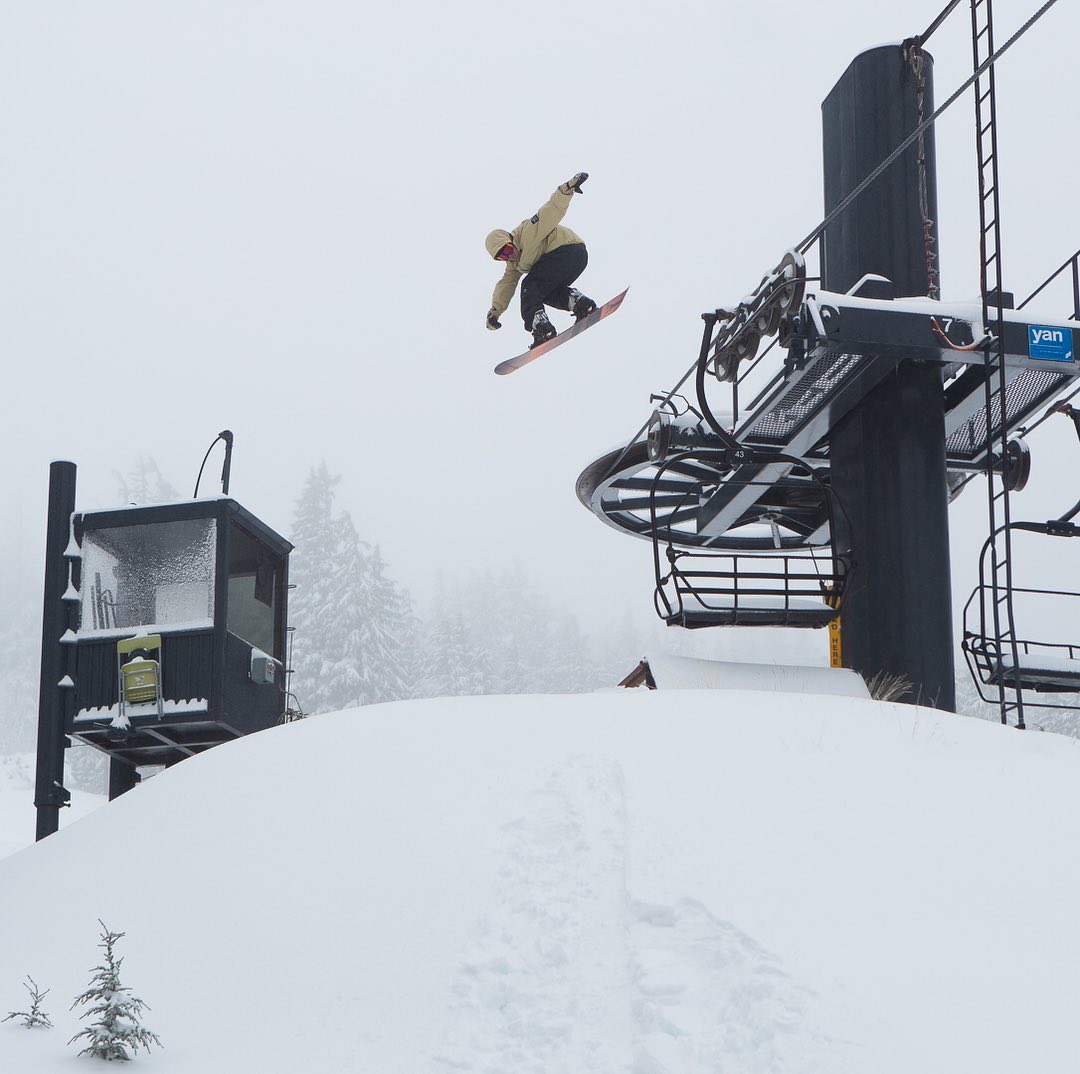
{"x": 1010, "y": 695}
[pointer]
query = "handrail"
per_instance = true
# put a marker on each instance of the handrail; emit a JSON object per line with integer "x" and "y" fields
{"x": 1074, "y": 261}
{"x": 990, "y": 663}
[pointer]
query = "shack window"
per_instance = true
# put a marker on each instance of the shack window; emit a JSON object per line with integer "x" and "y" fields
{"x": 254, "y": 574}
{"x": 150, "y": 575}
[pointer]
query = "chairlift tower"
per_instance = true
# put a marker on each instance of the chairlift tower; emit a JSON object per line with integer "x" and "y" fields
{"x": 887, "y": 454}
{"x": 824, "y": 500}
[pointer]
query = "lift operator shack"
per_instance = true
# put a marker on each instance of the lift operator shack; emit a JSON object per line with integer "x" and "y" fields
{"x": 169, "y": 624}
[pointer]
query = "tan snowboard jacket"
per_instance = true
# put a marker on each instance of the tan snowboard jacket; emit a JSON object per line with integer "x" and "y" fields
{"x": 533, "y": 238}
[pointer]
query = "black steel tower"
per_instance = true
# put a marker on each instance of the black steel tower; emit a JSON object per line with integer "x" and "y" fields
{"x": 888, "y": 455}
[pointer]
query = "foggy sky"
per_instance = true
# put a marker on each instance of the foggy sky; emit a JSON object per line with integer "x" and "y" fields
{"x": 269, "y": 216}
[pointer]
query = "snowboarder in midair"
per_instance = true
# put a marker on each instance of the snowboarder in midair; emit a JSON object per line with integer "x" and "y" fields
{"x": 550, "y": 257}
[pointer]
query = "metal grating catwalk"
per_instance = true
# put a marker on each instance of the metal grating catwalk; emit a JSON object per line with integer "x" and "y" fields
{"x": 808, "y": 396}
{"x": 1026, "y": 393}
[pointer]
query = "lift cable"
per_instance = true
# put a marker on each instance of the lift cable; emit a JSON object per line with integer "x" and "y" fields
{"x": 946, "y": 12}
{"x": 922, "y": 127}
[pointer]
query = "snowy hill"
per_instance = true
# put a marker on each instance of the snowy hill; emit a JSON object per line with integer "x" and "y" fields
{"x": 622, "y": 883}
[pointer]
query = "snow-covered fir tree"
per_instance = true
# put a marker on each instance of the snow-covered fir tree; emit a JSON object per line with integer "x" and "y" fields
{"x": 116, "y": 1032}
{"x": 35, "y": 1017}
{"x": 573, "y": 669}
{"x": 144, "y": 483}
{"x": 20, "y": 642}
{"x": 353, "y": 623}
{"x": 452, "y": 663}
{"x": 314, "y": 537}
{"x": 499, "y": 633}
{"x": 379, "y": 633}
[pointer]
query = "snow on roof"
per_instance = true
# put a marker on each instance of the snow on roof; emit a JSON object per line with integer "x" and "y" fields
{"x": 687, "y": 673}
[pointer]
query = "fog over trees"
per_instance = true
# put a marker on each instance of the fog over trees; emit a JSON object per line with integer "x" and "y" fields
{"x": 363, "y": 633}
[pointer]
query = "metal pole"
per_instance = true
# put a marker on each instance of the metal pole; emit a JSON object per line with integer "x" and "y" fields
{"x": 888, "y": 455}
{"x": 122, "y": 778}
{"x": 49, "y": 793}
{"x": 226, "y": 468}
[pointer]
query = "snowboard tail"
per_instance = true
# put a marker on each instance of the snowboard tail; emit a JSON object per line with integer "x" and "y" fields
{"x": 598, "y": 314}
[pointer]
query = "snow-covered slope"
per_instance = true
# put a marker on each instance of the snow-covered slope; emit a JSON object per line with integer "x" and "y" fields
{"x": 626, "y": 883}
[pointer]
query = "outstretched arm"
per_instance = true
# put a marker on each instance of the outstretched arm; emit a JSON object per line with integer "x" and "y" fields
{"x": 504, "y": 292}
{"x": 554, "y": 210}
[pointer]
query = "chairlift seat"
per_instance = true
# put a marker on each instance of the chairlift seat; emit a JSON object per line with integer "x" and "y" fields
{"x": 1038, "y": 669}
{"x": 1045, "y": 674}
{"x": 758, "y": 610}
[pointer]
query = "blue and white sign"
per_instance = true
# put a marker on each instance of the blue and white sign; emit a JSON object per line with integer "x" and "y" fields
{"x": 1050, "y": 343}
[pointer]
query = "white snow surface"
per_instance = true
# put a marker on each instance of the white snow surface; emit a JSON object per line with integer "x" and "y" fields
{"x": 631, "y": 882}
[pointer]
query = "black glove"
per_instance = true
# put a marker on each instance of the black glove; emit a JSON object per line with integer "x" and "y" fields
{"x": 493, "y": 320}
{"x": 575, "y": 182}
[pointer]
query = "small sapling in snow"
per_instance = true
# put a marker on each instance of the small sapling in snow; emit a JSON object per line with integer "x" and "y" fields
{"x": 115, "y": 1010}
{"x": 35, "y": 1016}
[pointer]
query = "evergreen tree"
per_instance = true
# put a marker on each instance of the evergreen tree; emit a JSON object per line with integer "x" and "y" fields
{"x": 452, "y": 663}
{"x": 116, "y": 1028}
{"x": 489, "y": 634}
{"x": 144, "y": 484}
{"x": 345, "y": 661}
{"x": 572, "y": 670}
{"x": 623, "y": 647}
{"x": 35, "y": 1016}
{"x": 380, "y": 633}
{"x": 447, "y": 656}
{"x": 311, "y": 603}
{"x": 354, "y": 625}
{"x": 20, "y": 641}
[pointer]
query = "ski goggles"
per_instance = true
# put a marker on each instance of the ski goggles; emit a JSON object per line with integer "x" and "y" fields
{"x": 506, "y": 252}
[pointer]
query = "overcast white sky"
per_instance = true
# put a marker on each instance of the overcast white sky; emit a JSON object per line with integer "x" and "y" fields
{"x": 268, "y": 216}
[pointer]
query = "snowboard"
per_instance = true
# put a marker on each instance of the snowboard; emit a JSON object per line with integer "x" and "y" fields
{"x": 597, "y": 314}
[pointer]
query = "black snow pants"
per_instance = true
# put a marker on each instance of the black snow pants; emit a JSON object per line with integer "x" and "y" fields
{"x": 548, "y": 281}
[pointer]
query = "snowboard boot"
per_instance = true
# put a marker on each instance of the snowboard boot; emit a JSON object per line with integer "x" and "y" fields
{"x": 580, "y": 305}
{"x": 542, "y": 329}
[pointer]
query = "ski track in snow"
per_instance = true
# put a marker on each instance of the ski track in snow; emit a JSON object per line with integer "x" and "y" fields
{"x": 569, "y": 974}
{"x": 543, "y": 989}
